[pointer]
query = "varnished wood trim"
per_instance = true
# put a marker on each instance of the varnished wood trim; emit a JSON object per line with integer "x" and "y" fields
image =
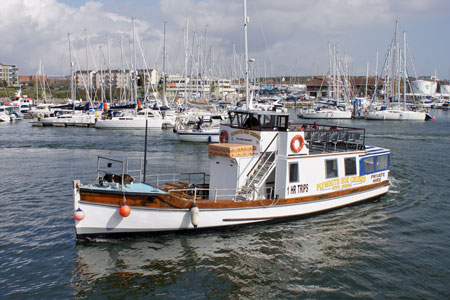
{"x": 177, "y": 199}
{"x": 222, "y": 204}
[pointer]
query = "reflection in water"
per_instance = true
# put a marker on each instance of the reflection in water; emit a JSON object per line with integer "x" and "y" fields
{"x": 257, "y": 262}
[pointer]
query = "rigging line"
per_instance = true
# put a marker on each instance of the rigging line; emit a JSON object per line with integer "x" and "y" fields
{"x": 159, "y": 52}
{"x": 264, "y": 37}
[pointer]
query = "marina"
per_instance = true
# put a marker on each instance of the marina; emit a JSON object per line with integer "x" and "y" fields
{"x": 400, "y": 238}
{"x": 179, "y": 159}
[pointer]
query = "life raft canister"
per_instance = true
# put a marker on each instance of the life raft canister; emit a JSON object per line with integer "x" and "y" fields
{"x": 301, "y": 142}
{"x": 224, "y": 136}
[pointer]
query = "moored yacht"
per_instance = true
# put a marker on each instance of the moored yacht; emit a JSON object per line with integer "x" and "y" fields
{"x": 147, "y": 117}
{"x": 203, "y": 128}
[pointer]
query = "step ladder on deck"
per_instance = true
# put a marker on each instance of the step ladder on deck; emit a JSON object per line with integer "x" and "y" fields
{"x": 258, "y": 175}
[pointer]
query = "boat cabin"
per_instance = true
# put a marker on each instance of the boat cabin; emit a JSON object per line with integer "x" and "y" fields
{"x": 263, "y": 156}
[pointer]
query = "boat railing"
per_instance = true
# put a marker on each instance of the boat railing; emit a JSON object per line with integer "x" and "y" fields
{"x": 132, "y": 166}
{"x": 177, "y": 178}
{"x": 326, "y": 138}
{"x": 235, "y": 194}
{"x": 262, "y": 154}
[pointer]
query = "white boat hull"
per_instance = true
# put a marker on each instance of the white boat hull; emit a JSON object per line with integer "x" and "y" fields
{"x": 103, "y": 220}
{"x": 327, "y": 114}
{"x": 396, "y": 115}
{"x": 128, "y": 123}
{"x": 199, "y": 137}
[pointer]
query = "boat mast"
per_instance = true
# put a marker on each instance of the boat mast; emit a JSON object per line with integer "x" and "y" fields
{"x": 109, "y": 71}
{"x": 247, "y": 90}
{"x": 404, "y": 70}
{"x": 186, "y": 52}
{"x": 135, "y": 77}
{"x": 87, "y": 69}
{"x": 41, "y": 72}
{"x": 72, "y": 89}
{"x": 367, "y": 79}
{"x": 164, "y": 67}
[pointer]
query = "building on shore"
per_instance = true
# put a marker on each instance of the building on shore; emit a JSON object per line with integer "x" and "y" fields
{"x": 9, "y": 75}
{"x": 118, "y": 79}
{"x": 199, "y": 88}
{"x": 320, "y": 87}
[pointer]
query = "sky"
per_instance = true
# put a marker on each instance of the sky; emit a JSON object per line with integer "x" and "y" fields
{"x": 286, "y": 37}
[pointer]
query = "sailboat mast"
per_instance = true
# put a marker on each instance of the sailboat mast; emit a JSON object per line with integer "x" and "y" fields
{"x": 135, "y": 77}
{"x": 186, "y": 52}
{"x": 72, "y": 89}
{"x": 88, "y": 89}
{"x": 164, "y": 67}
{"x": 247, "y": 90}
{"x": 404, "y": 69}
{"x": 109, "y": 71}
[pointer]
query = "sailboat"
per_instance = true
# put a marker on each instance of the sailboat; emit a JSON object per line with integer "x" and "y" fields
{"x": 141, "y": 117}
{"x": 337, "y": 104}
{"x": 394, "y": 106}
{"x": 264, "y": 169}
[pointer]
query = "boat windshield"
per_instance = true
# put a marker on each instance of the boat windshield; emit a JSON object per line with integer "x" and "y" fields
{"x": 263, "y": 121}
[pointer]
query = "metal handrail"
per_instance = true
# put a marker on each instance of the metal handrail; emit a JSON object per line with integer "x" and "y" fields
{"x": 173, "y": 177}
{"x": 262, "y": 154}
{"x": 261, "y": 167}
{"x": 106, "y": 171}
{"x": 234, "y": 193}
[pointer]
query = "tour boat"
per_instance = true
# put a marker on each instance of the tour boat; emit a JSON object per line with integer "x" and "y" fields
{"x": 263, "y": 170}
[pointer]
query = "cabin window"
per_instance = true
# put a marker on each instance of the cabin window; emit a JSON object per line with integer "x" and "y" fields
{"x": 374, "y": 164}
{"x": 268, "y": 122}
{"x": 331, "y": 168}
{"x": 282, "y": 122}
{"x": 350, "y": 166}
{"x": 382, "y": 162}
{"x": 236, "y": 119}
{"x": 252, "y": 122}
{"x": 293, "y": 172}
{"x": 367, "y": 166}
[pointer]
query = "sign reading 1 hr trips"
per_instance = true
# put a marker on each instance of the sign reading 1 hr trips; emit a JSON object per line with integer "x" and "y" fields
{"x": 297, "y": 189}
{"x": 340, "y": 183}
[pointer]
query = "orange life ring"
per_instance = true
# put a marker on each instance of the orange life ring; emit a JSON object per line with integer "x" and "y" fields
{"x": 301, "y": 140}
{"x": 224, "y": 136}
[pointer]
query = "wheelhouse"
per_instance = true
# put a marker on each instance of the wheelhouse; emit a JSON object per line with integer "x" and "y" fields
{"x": 260, "y": 121}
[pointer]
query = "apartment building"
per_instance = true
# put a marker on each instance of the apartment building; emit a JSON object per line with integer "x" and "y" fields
{"x": 9, "y": 75}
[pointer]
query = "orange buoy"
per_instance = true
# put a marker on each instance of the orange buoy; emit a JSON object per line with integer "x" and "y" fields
{"x": 78, "y": 214}
{"x": 125, "y": 210}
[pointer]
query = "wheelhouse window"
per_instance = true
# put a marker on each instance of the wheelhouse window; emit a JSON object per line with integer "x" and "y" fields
{"x": 374, "y": 164}
{"x": 367, "y": 166}
{"x": 331, "y": 168}
{"x": 382, "y": 162}
{"x": 282, "y": 122}
{"x": 350, "y": 166}
{"x": 268, "y": 122}
{"x": 293, "y": 172}
{"x": 256, "y": 121}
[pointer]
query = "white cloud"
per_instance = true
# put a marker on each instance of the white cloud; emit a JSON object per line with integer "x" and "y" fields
{"x": 281, "y": 32}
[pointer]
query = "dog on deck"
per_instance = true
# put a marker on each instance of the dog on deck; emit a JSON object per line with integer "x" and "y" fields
{"x": 114, "y": 178}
